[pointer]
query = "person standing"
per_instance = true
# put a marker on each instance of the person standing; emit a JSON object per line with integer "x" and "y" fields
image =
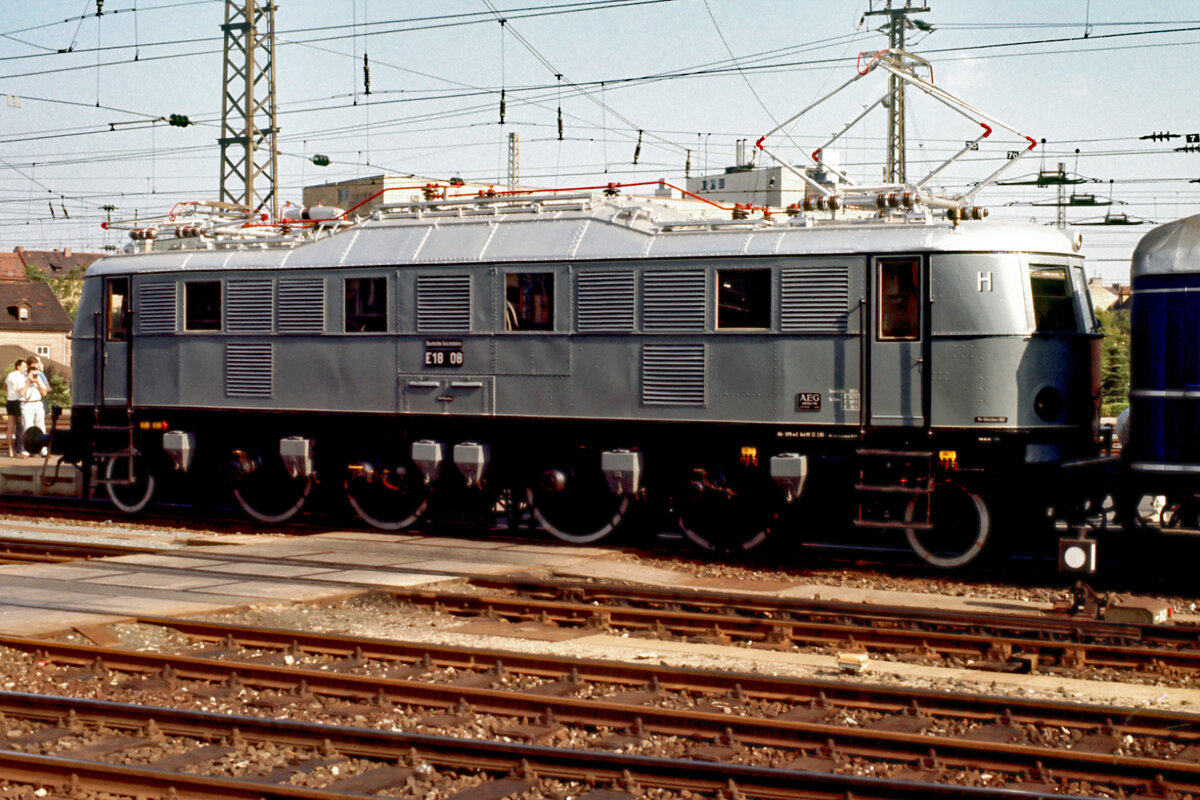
{"x": 15, "y": 385}
{"x": 33, "y": 410}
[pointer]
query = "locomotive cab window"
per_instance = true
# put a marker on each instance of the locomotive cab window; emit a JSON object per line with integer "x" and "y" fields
{"x": 202, "y": 306}
{"x": 744, "y": 298}
{"x": 899, "y": 299}
{"x": 116, "y": 310}
{"x": 366, "y": 305}
{"x": 529, "y": 301}
{"x": 1053, "y": 305}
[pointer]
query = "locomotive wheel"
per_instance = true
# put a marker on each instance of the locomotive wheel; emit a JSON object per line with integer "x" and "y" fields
{"x": 720, "y": 515}
{"x": 390, "y": 498}
{"x": 575, "y": 505}
{"x": 131, "y": 497}
{"x": 962, "y": 525}
{"x": 269, "y": 494}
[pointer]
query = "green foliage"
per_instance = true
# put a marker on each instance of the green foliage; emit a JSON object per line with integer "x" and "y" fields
{"x": 60, "y": 391}
{"x": 66, "y": 287}
{"x": 1114, "y": 361}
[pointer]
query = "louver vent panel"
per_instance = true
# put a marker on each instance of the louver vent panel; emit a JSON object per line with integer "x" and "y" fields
{"x": 248, "y": 370}
{"x": 302, "y": 306}
{"x": 607, "y": 301}
{"x": 673, "y": 374}
{"x": 674, "y": 301}
{"x": 444, "y": 303}
{"x": 249, "y": 305}
{"x": 816, "y": 300}
{"x": 156, "y": 308}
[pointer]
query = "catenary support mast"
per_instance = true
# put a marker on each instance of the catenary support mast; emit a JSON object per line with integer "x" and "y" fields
{"x": 248, "y": 106}
{"x": 897, "y": 24}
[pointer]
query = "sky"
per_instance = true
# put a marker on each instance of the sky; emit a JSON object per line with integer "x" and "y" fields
{"x": 83, "y": 100}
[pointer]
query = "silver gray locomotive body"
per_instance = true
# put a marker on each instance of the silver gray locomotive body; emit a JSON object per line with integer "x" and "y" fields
{"x": 583, "y": 357}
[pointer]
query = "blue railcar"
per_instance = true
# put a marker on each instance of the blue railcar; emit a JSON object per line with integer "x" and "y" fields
{"x": 1163, "y": 448}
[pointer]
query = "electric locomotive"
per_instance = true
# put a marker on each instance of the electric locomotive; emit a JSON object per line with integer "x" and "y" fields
{"x": 581, "y": 356}
{"x": 879, "y": 357}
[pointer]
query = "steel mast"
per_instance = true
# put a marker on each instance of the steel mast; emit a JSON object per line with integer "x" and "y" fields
{"x": 896, "y": 25}
{"x": 248, "y": 154}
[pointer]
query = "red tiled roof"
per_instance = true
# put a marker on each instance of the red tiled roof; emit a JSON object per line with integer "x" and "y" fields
{"x": 45, "y": 312}
{"x": 55, "y": 261}
{"x": 11, "y": 267}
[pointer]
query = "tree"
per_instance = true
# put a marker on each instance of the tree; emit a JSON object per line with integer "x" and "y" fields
{"x": 66, "y": 287}
{"x": 1114, "y": 361}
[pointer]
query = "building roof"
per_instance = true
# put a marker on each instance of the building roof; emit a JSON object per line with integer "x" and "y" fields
{"x": 45, "y": 312}
{"x": 12, "y": 268}
{"x": 55, "y": 261}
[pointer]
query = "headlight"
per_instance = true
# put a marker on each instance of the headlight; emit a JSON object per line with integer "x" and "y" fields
{"x": 1048, "y": 404}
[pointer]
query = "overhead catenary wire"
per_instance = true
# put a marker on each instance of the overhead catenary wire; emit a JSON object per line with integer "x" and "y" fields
{"x": 387, "y": 135}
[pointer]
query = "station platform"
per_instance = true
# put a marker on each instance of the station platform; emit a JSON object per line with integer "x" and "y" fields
{"x": 38, "y": 475}
{"x": 190, "y": 574}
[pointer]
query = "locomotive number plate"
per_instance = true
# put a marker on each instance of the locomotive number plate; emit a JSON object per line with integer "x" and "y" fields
{"x": 443, "y": 353}
{"x": 808, "y": 401}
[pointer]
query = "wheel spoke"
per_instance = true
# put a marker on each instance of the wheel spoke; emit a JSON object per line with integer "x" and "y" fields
{"x": 962, "y": 526}
{"x": 390, "y": 498}
{"x": 723, "y": 515}
{"x": 573, "y": 503}
{"x": 135, "y": 495}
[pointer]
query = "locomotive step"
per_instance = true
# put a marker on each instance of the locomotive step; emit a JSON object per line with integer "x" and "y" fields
{"x": 867, "y": 488}
{"x": 122, "y": 453}
{"x": 122, "y": 428}
{"x": 893, "y": 525}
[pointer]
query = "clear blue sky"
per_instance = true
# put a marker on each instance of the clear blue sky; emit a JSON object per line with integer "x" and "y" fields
{"x": 1092, "y": 75}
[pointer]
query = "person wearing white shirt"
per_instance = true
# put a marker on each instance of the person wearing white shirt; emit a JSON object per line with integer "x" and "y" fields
{"x": 33, "y": 410}
{"x": 15, "y": 385}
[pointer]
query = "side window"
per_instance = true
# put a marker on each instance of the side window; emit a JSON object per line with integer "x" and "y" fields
{"x": 744, "y": 298}
{"x": 899, "y": 282}
{"x": 1083, "y": 300}
{"x": 202, "y": 306}
{"x": 116, "y": 310}
{"x": 366, "y": 305}
{"x": 529, "y": 301}
{"x": 1053, "y": 308}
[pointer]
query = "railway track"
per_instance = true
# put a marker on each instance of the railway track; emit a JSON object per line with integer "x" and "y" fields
{"x": 743, "y": 720}
{"x": 46, "y": 551}
{"x": 190, "y": 754}
{"x": 1014, "y": 642}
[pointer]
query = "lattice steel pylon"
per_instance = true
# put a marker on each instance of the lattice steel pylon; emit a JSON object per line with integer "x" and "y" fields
{"x": 514, "y": 160}
{"x": 248, "y": 129}
{"x": 897, "y": 23}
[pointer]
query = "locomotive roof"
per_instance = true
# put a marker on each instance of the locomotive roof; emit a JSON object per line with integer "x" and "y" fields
{"x": 1173, "y": 247}
{"x": 596, "y": 229}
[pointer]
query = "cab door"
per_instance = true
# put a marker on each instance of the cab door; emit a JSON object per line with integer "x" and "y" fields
{"x": 115, "y": 333}
{"x": 897, "y": 391}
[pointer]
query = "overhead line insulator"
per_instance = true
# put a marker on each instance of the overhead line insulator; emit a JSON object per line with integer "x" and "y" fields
{"x": 637, "y": 151}
{"x": 366, "y": 74}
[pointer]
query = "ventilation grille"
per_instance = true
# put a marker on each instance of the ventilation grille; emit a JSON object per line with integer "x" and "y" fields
{"x": 156, "y": 308}
{"x": 674, "y": 301}
{"x": 444, "y": 303}
{"x": 815, "y": 300}
{"x": 248, "y": 370}
{"x": 673, "y": 374}
{"x": 606, "y": 301}
{"x": 249, "y": 309}
{"x": 302, "y": 305}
